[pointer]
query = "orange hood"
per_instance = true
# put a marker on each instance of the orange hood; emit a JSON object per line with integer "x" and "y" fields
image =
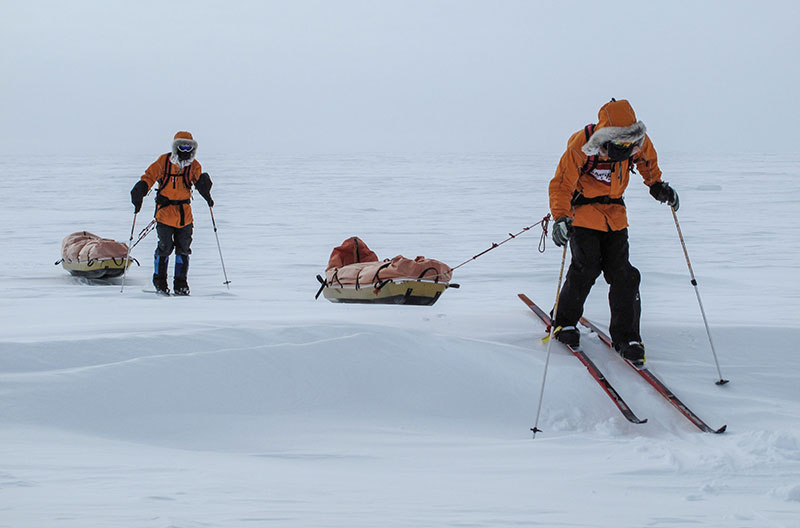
{"x": 183, "y": 138}
{"x": 616, "y": 121}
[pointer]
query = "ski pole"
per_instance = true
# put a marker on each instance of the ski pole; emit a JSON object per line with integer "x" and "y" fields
{"x": 535, "y": 429}
{"x": 127, "y": 256}
{"x": 721, "y": 381}
{"x": 227, "y": 282}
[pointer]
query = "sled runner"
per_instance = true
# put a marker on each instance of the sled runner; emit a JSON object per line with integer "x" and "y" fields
{"x": 87, "y": 255}
{"x": 355, "y": 275}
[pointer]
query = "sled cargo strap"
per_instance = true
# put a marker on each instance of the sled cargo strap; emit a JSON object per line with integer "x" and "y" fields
{"x": 376, "y": 280}
{"x": 436, "y": 279}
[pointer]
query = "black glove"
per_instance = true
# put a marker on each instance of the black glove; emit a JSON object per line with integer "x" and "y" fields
{"x": 662, "y": 192}
{"x": 562, "y": 230}
{"x": 137, "y": 195}
{"x": 203, "y": 186}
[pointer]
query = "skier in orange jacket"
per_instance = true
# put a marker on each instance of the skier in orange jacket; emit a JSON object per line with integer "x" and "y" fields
{"x": 586, "y": 199}
{"x": 176, "y": 172}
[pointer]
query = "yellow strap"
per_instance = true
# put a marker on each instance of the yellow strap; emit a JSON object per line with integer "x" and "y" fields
{"x": 546, "y": 338}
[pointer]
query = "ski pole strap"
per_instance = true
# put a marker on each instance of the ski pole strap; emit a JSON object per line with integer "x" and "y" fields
{"x": 579, "y": 199}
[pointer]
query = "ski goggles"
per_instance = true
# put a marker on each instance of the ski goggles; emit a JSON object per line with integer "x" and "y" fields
{"x": 624, "y": 144}
{"x": 185, "y": 148}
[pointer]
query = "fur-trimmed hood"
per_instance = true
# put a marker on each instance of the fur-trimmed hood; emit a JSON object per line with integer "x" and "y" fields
{"x": 616, "y": 121}
{"x": 183, "y": 138}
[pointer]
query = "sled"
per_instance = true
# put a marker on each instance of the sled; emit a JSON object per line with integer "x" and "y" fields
{"x": 411, "y": 292}
{"x": 87, "y": 255}
{"x": 355, "y": 275}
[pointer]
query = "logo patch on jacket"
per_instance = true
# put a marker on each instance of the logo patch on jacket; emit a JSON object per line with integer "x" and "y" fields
{"x": 603, "y": 175}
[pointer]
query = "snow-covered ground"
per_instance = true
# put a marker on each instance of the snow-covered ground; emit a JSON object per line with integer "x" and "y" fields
{"x": 260, "y": 406}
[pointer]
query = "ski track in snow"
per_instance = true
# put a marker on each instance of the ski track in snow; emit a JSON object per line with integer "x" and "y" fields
{"x": 261, "y": 406}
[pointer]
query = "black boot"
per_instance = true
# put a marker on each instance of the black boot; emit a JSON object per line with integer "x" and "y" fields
{"x": 160, "y": 276}
{"x": 180, "y": 285}
{"x": 632, "y": 351}
{"x": 569, "y": 335}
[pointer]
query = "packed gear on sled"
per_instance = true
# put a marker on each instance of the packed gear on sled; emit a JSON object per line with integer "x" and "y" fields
{"x": 87, "y": 255}
{"x": 355, "y": 275}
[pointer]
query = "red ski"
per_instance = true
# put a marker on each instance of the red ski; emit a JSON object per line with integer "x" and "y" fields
{"x": 590, "y": 366}
{"x": 656, "y": 383}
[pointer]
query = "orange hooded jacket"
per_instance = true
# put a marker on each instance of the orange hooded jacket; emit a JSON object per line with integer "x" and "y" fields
{"x": 616, "y": 120}
{"x": 175, "y": 184}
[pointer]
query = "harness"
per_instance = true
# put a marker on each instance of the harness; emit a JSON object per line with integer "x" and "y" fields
{"x": 592, "y": 163}
{"x": 163, "y": 201}
{"x": 579, "y": 199}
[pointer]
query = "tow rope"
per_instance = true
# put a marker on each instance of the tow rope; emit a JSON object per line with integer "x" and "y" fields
{"x": 544, "y": 222}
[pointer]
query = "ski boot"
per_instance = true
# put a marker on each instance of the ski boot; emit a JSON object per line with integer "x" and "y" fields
{"x": 569, "y": 335}
{"x": 632, "y": 351}
{"x": 179, "y": 284}
{"x": 160, "y": 276}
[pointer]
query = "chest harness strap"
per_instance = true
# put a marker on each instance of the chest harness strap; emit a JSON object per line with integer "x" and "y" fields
{"x": 163, "y": 201}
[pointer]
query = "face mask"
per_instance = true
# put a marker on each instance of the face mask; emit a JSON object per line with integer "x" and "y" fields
{"x": 185, "y": 152}
{"x": 619, "y": 151}
{"x": 183, "y": 156}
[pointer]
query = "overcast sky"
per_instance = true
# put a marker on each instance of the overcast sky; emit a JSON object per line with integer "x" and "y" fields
{"x": 302, "y": 76}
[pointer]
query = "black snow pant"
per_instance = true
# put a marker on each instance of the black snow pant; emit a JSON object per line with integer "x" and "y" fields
{"x": 177, "y": 238}
{"x": 169, "y": 238}
{"x": 607, "y": 252}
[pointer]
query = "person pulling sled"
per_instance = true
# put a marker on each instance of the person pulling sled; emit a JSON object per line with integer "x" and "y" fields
{"x": 586, "y": 199}
{"x": 176, "y": 172}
